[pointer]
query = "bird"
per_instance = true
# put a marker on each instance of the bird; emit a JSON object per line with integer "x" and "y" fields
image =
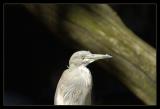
{"x": 75, "y": 84}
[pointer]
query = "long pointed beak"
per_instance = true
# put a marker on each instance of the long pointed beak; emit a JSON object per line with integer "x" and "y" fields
{"x": 99, "y": 56}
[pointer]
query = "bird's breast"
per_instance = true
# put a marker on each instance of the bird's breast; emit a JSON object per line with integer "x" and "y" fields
{"x": 86, "y": 75}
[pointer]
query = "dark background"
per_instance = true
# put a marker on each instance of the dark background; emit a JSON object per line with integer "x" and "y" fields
{"x": 35, "y": 58}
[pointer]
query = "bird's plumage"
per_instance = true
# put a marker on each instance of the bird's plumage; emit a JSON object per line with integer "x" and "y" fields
{"x": 76, "y": 89}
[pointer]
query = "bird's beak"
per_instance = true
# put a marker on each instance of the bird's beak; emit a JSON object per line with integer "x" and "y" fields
{"x": 99, "y": 56}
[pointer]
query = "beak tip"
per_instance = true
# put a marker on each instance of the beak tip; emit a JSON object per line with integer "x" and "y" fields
{"x": 108, "y": 56}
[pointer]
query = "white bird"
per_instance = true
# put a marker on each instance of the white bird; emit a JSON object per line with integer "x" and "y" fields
{"x": 75, "y": 84}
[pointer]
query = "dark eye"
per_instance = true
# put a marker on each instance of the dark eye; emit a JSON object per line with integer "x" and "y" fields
{"x": 83, "y": 57}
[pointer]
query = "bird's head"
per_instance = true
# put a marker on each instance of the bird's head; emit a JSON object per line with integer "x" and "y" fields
{"x": 85, "y": 57}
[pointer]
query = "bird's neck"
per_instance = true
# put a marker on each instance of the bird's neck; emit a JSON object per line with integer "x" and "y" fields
{"x": 76, "y": 66}
{"x": 83, "y": 72}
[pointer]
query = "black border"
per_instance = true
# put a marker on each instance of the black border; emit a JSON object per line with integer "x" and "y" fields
{"x": 12, "y": 2}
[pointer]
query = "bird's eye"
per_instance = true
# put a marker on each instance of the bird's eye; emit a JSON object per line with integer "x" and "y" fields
{"x": 83, "y": 57}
